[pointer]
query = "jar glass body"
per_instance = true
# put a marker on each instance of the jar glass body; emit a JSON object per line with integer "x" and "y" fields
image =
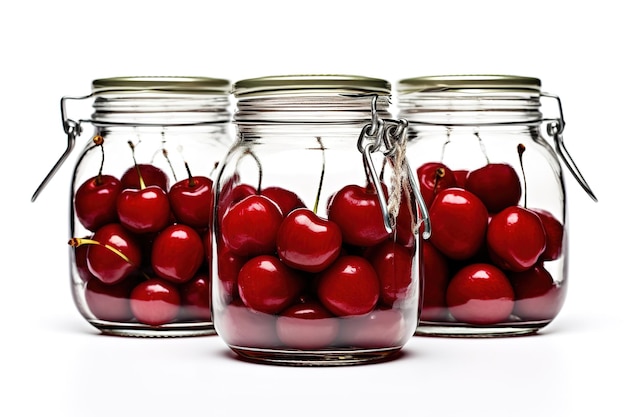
{"x": 496, "y": 262}
{"x": 306, "y": 272}
{"x": 141, "y": 206}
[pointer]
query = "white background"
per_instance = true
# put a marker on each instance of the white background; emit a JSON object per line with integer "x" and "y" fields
{"x": 53, "y": 363}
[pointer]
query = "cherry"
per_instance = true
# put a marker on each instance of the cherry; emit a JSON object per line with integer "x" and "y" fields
{"x": 460, "y": 176}
{"x": 378, "y": 329}
{"x": 537, "y": 296}
{"x": 307, "y": 242}
{"x": 143, "y": 210}
{"x": 249, "y": 227}
{"x": 95, "y": 201}
{"x": 109, "y": 302}
{"x": 480, "y": 294}
{"x": 393, "y": 264}
{"x": 177, "y": 253}
{"x": 436, "y": 273}
{"x": 515, "y": 238}
{"x": 196, "y": 298}
{"x": 434, "y": 177}
{"x": 307, "y": 325}
{"x": 80, "y": 260}
{"x": 497, "y": 185}
{"x": 155, "y": 302}
{"x": 113, "y": 253}
{"x": 150, "y": 174}
{"x": 191, "y": 200}
{"x": 554, "y": 234}
{"x": 242, "y": 327}
{"x": 357, "y": 212}
{"x": 349, "y": 286}
{"x": 228, "y": 267}
{"x": 459, "y": 221}
{"x": 286, "y": 200}
{"x": 265, "y": 284}
{"x": 232, "y": 194}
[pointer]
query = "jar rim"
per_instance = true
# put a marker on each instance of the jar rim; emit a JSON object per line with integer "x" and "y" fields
{"x": 470, "y": 83}
{"x": 178, "y": 84}
{"x": 310, "y": 83}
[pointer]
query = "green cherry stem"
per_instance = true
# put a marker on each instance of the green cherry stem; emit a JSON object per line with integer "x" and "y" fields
{"x": 142, "y": 184}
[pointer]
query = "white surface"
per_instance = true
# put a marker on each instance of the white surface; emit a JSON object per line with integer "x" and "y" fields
{"x": 53, "y": 363}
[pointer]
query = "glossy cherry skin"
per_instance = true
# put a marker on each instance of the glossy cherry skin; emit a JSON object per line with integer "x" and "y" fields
{"x": 554, "y": 234}
{"x": 459, "y": 222}
{"x": 497, "y": 185}
{"x": 308, "y": 242}
{"x": 155, "y": 302}
{"x": 356, "y": 210}
{"x": 434, "y": 177}
{"x": 249, "y": 227}
{"x": 436, "y": 274}
{"x": 80, "y": 260}
{"x": 286, "y": 200}
{"x": 231, "y": 194}
{"x": 144, "y": 210}
{"x": 108, "y": 266}
{"x": 537, "y": 295}
{"x": 378, "y": 329}
{"x": 228, "y": 266}
{"x": 150, "y": 174}
{"x": 393, "y": 264}
{"x": 480, "y": 294}
{"x": 177, "y": 253}
{"x": 267, "y": 285}
{"x": 240, "y": 326}
{"x": 515, "y": 238}
{"x": 110, "y": 302}
{"x": 307, "y": 325}
{"x": 460, "y": 176}
{"x": 95, "y": 201}
{"x": 349, "y": 286}
{"x": 195, "y": 298}
{"x": 191, "y": 201}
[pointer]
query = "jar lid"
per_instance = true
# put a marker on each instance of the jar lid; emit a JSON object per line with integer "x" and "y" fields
{"x": 469, "y": 83}
{"x": 290, "y": 84}
{"x": 164, "y": 84}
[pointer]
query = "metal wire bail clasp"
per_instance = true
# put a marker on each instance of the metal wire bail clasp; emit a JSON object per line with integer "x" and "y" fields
{"x": 555, "y": 129}
{"x": 72, "y": 129}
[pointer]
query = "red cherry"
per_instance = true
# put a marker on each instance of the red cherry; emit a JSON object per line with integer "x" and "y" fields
{"x": 378, "y": 329}
{"x": 554, "y": 234}
{"x": 95, "y": 201}
{"x": 349, "y": 286}
{"x": 196, "y": 298}
{"x": 228, "y": 267}
{"x": 191, "y": 200}
{"x": 393, "y": 264}
{"x": 150, "y": 174}
{"x": 116, "y": 256}
{"x": 144, "y": 210}
{"x": 459, "y": 221}
{"x": 80, "y": 260}
{"x": 231, "y": 194}
{"x": 460, "y": 176}
{"x": 307, "y": 325}
{"x": 497, "y": 185}
{"x": 155, "y": 302}
{"x": 109, "y": 302}
{"x": 177, "y": 253}
{"x": 307, "y": 242}
{"x": 515, "y": 238}
{"x": 240, "y": 326}
{"x": 436, "y": 273}
{"x": 537, "y": 296}
{"x": 480, "y": 294}
{"x": 249, "y": 226}
{"x": 265, "y": 284}
{"x": 356, "y": 210}
{"x": 286, "y": 200}
{"x": 434, "y": 177}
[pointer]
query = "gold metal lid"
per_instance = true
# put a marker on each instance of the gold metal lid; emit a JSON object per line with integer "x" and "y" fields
{"x": 469, "y": 83}
{"x": 165, "y": 84}
{"x": 290, "y": 84}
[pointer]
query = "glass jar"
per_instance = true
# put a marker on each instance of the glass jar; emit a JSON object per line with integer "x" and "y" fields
{"x": 315, "y": 255}
{"x": 496, "y": 262}
{"x": 141, "y": 203}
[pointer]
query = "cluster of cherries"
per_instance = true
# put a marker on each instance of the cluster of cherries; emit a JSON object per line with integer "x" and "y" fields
{"x": 290, "y": 278}
{"x": 146, "y": 259}
{"x": 485, "y": 261}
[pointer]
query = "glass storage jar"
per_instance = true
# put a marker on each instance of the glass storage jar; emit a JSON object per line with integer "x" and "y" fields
{"x": 141, "y": 203}
{"x": 315, "y": 255}
{"x": 496, "y": 262}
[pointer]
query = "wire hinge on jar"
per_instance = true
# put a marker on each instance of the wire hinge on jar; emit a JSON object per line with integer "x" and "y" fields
{"x": 389, "y": 137}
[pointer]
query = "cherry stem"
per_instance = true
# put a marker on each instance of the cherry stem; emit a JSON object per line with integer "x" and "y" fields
{"x": 439, "y": 174}
{"x": 77, "y": 241}
{"x": 319, "y": 187}
{"x": 482, "y": 146}
{"x": 167, "y": 158}
{"x": 520, "y": 151}
{"x": 142, "y": 184}
{"x": 192, "y": 181}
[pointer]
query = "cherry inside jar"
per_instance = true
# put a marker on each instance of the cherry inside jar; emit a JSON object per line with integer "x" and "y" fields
{"x": 307, "y": 271}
